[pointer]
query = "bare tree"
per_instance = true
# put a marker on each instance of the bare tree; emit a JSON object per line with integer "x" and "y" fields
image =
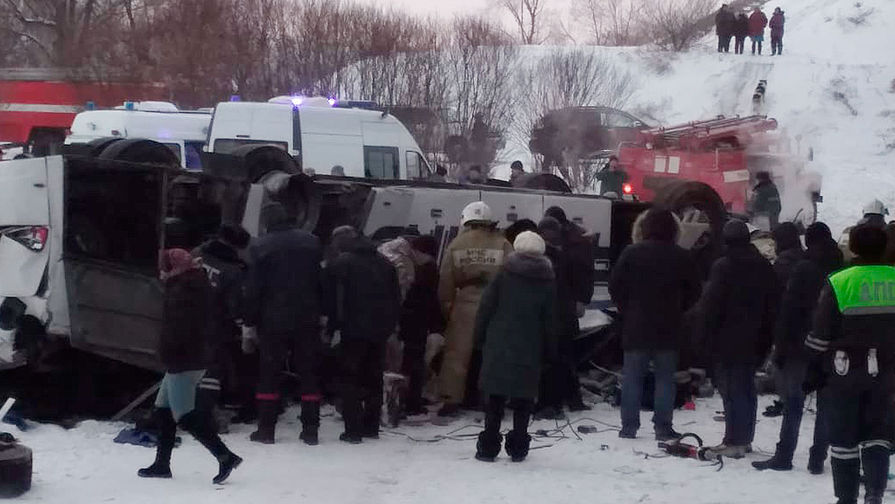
{"x": 675, "y": 24}
{"x": 613, "y": 22}
{"x": 527, "y": 18}
{"x": 565, "y": 81}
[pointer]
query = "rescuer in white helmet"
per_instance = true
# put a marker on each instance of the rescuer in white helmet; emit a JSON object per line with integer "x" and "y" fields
{"x": 469, "y": 264}
{"x": 874, "y": 213}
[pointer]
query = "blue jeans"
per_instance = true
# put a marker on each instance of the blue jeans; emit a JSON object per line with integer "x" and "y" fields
{"x": 789, "y": 383}
{"x": 635, "y": 369}
{"x": 736, "y": 382}
{"x": 177, "y": 392}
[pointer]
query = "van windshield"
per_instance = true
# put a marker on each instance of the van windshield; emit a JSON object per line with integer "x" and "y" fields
{"x": 228, "y": 145}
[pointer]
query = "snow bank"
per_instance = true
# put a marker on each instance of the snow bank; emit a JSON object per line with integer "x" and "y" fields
{"x": 832, "y": 92}
{"x": 83, "y": 465}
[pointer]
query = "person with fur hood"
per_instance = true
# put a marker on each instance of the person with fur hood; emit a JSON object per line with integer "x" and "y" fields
{"x": 514, "y": 328}
{"x": 653, "y": 284}
{"x": 183, "y": 349}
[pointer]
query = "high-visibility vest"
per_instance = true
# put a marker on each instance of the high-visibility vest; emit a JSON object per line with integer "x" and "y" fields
{"x": 865, "y": 290}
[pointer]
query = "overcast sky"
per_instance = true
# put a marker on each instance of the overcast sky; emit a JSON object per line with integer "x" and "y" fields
{"x": 445, "y": 8}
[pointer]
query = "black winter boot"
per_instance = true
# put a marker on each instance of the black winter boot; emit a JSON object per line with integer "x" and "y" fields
{"x": 875, "y": 461}
{"x": 517, "y": 445}
{"x": 816, "y": 460}
{"x": 488, "y": 446}
{"x": 267, "y": 422}
{"x": 161, "y": 468}
{"x": 310, "y": 422}
{"x": 776, "y": 463}
{"x": 201, "y": 428}
{"x": 846, "y": 479}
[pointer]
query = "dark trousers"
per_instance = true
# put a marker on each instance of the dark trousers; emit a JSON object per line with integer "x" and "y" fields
{"x": 821, "y": 428}
{"x": 777, "y": 44}
{"x": 860, "y": 420}
{"x": 739, "y": 45}
{"x": 300, "y": 352}
{"x": 494, "y": 408}
{"x": 724, "y": 43}
{"x": 789, "y": 383}
{"x": 559, "y": 383}
{"x": 736, "y": 382}
{"x": 413, "y": 366}
{"x": 362, "y": 365}
{"x": 756, "y": 43}
{"x": 635, "y": 368}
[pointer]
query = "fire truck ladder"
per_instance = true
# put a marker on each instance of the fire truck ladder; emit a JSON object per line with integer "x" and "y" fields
{"x": 692, "y": 133}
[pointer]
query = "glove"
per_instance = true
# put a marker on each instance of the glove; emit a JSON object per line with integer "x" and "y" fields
{"x": 249, "y": 340}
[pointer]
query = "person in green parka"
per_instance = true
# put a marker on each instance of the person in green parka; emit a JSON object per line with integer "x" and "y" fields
{"x": 514, "y": 328}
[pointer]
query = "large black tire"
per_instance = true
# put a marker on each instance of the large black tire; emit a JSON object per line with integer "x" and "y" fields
{"x": 139, "y": 150}
{"x": 688, "y": 195}
{"x": 260, "y": 160}
{"x": 15, "y": 469}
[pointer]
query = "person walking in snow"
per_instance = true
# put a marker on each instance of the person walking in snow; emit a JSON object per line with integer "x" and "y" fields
{"x": 469, "y": 264}
{"x": 725, "y": 21}
{"x": 741, "y": 31}
{"x": 362, "y": 299}
{"x": 777, "y": 21}
{"x": 791, "y": 358}
{"x": 758, "y": 21}
{"x": 739, "y": 305}
{"x": 183, "y": 348}
{"x": 282, "y": 300}
{"x": 653, "y": 284}
{"x": 514, "y": 327}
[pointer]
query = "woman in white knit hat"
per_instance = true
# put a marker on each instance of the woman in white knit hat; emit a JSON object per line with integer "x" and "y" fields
{"x": 514, "y": 328}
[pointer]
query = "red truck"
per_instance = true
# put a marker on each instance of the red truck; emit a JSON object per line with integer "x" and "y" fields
{"x": 37, "y": 105}
{"x": 725, "y": 154}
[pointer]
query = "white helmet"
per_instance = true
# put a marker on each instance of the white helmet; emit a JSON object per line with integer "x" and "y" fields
{"x": 876, "y": 207}
{"x": 477, "y": 211}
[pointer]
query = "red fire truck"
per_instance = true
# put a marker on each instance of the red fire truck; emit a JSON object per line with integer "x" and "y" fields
{"x": 37, "y": 105}
{"x": 724, "y": 153}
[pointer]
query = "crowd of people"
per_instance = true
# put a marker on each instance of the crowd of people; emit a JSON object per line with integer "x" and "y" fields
{"x": 732, "y": 26}
{"x": 237, "y": 314}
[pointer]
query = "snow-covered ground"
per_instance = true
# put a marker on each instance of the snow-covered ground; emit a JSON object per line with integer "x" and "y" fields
{"x": 832, "y": 91}
{"x": 83, "y": 465}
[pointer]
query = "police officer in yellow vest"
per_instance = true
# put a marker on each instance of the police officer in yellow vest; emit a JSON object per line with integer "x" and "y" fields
{"x": 469, "y": 264}
{"x": 854, "y": 340}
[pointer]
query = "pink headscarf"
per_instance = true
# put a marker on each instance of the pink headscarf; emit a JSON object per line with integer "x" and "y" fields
{"x": 173, "y": 262}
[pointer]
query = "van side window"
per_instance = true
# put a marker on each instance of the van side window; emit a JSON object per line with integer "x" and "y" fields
{"x": 381, "y": 162}
{"x": 417, "y": 169}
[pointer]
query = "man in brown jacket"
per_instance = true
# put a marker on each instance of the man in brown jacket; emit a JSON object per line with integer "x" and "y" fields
{"x": 469, "y": 264}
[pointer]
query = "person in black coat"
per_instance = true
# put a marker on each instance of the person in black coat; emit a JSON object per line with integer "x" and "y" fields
{"x": 362, "y": 300}
{"x": 420, "y": 316}
{"x": 183, "y": 350}
{"x": 226, "y": 276}
{"x": 653, "y": 284}
{"x": 791, "y": 357}
{"x": 560, "y": 381}
{"x": 741, "y": 31}
{"x": 282, "y": 302}
{"x": 789, "y": 251}
{"x": 725, "y": 22}
{"x": 739, "y": 305}
{"x": 579, "y": 250}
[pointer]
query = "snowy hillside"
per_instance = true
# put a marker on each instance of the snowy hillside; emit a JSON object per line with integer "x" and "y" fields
{"x": 831, "y": 91}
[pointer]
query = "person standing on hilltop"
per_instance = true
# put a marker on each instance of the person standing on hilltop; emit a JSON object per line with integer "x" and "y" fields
{"x": 741, "y": 30}
{"x": 776, "y": 24}
{"x": 724, "y": 26}
{"x": 757, "y": 23}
